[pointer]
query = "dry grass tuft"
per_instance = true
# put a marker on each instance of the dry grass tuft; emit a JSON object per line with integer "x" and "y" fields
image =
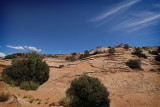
{"x": 5, "y": 94}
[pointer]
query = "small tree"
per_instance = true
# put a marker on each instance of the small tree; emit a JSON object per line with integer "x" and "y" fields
{"x": 111, "y": 51}
{"x": 74, "y": 53}
{"x": 157, "y": 58}
{"x": 10, "y": 56}
{"x": 88, "y": 92}
{"x": 126, "y": 46}
{"x": 158, "y": 49}
{"x": 86, "y": 54}
{"x": 153, "y": 52}
{"x": 26, "y": 70}
{"x": 71, "y": 58}
{"x": 134, "y": 64}
{"x": 139, "y": 53}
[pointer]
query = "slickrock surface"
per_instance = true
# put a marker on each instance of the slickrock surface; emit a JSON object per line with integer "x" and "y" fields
{"x": 127, "y": 88}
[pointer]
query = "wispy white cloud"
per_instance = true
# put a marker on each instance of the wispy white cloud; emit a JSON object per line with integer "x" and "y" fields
{"x": 144, "y": 20}
{"x": 33, "y": 48}
{"x": 114, "y": 10}
{"x": 15, "y": 47}
{"x": 2, "y": 55}
{"x": 129, "y": 20}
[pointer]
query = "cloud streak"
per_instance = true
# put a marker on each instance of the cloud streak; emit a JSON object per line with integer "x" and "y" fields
{"x": 2, "y": 55}
{"x": 33, "y": 48}
{"x": 114, "y": 10}
{"x": 127, "y": 19}
{"x": 145, "y": 20}
{"x": 15, "y": 47}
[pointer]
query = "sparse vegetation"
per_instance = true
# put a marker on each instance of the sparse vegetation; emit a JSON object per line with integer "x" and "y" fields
{"x": 134, "y": 64}
{"x": 86, "y": 54}
{"x": 26, "y": 70}
{"x": 153, "y": 52}
{"x": 10, "y": 56}
{"x": 157, "y": 58}
{"x": 139, "y": 53}
{"x": 71, "y": 58}
{"x": 74, "y": 53}
{"x": 111, "y": 51}
{"x": 31, "y": 101}
{"x": 65, "y": 101}
{"x": 158, "y": 49}
{"x": 126, "y": 46}
{"x": 153, "y": 70}
{"x": 4, "y": 94}
{"x": 87, "y": 92}
{"x": 97, "y": 52}
{"x": 61, "y": 66}
{"x": 52, "y": 104}
{"x": 29, "y": 85}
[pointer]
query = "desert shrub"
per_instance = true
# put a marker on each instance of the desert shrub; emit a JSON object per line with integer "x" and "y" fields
{"x": 74, "y": 53}
{"x": 71, "y": 58}
{"x": 111, "y": 51}
{"x": 139, "y": 53}
{"x": 157, "y": 58}
{"x": 29, "y": 85}
{"x": 24, "y": 70}
{"x": 97, "y": 52}
{"x": 134, "y": 64}
{"x": 98, "y": 47}
{"x": 10, "y": 56}
{"x": 86, "y": 54}
{"x": 153, "y": 52}
{"x": 61, "y": 66}
{"x": 126, "y": 46}
{"x": 52, "y": 104}
{"x": 88, "y": 92}
{"x": 4, "y": 95}
{"x": 158, "y": 49}
{"x": 65, "y": 101}
{"x": 152, "y": 70}
{"x": 34, "y": 55}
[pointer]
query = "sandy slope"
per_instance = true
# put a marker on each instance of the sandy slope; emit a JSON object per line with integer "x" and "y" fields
{"x": 127, "y": 88}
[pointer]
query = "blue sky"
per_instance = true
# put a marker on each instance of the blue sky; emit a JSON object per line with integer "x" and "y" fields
{"x": 65, "y": 26}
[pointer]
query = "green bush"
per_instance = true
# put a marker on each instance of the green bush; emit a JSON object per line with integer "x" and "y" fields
{"x": 34, "y": 55}
{"x": 61, "y": 66}
{"x": 71, "y": 58}
{"x": 157, "y": 58}
{"x": 97, "y": 52}
{"x": 29, "y": 85}
{"x": 152, "y": 70}
{"x": 74, "y": 53}
{"x": 88, "y": 92}
{"x": 86, "y": 54}
{"x": 111, "y": 51}
{"x": 126, "y": 46}
{"x": 158, "y": 49}
{"x": 134, "y": 64}
{"x": 10, "y": 56}
{"x": 139, "y": 53}
{"x": 23, "y": 70}
{"x": 153, "y": 52}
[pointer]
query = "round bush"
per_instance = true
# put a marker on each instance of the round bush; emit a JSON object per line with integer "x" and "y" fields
{"x": 88, "y": 92}
{"x": 134, "y": 64}
{"x": 157, "y": 58}
{"x": 23, "y": 70}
